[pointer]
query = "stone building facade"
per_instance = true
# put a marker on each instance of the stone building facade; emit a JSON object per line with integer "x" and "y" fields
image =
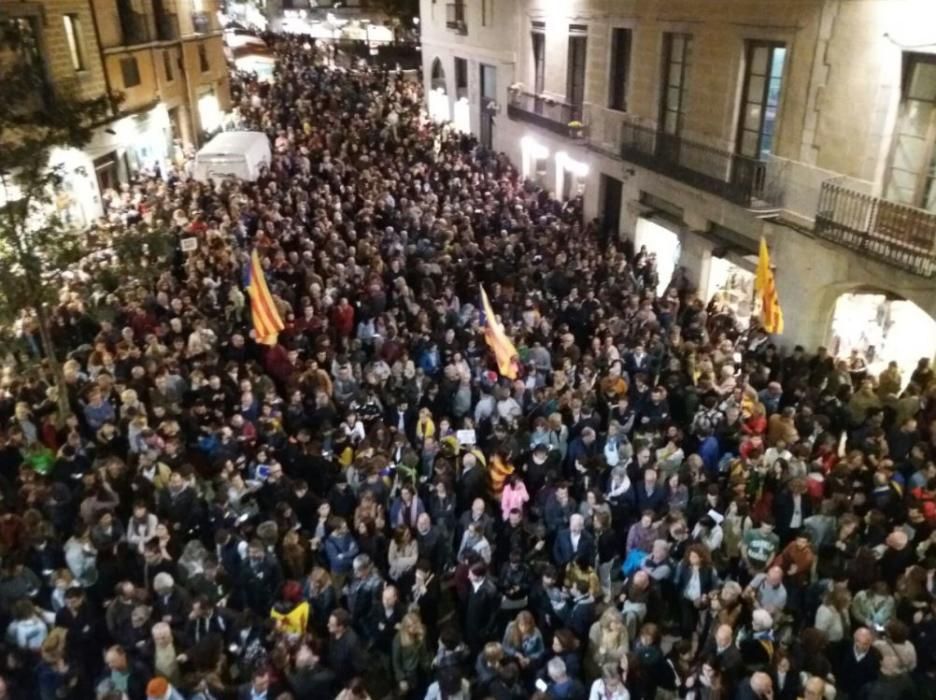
{"x": 696, "y": 128}
{"x": 163, "y": 63}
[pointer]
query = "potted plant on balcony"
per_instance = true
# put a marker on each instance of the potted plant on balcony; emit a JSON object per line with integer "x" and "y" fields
{"x": 576, "y": 129}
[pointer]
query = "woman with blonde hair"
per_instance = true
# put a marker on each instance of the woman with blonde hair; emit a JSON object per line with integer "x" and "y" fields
{"x": 524, "y": 642}
{"x": 322, "y": 596}
{"x": 610, "y": 683}
{"x": 607, "y": 641}
{"x": 411, "y": 658}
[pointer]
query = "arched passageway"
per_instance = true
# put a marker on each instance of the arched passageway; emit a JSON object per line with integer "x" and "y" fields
{"x": 439, "y": 109}
{"x": 882, "y": 327}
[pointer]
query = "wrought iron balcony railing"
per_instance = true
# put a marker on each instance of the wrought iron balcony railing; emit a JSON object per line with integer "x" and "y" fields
{"x": 559, "y": 117}
{"x": 738, "y": 179}
{"x": 455, "y": 17}
{"x": 167, "y": 26}
{"x": 134, "y": 28}
{"x": 897, "y": 234}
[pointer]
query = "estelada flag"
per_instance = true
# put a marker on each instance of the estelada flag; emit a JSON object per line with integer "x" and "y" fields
{"x": 765, "y": 287}
{"x": 504, "y": 351}
{"x": 266, "y": 319}
{"x": 499, "y": 472}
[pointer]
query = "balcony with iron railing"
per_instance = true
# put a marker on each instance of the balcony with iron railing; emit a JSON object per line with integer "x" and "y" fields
{"x": 167, "y": 26}
{"x": 455, "y": 17}
{"x": 554, "y": 115}
{"x": 897, "y": 234}
{"x": 201, "y": 22}
{"x": 737, "y": 178}
{"x": 134, "y": 28}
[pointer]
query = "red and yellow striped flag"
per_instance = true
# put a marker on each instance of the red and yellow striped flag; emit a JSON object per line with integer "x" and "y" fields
{"x": 499, "y": 472}
{"x": 504, "y": 351}
{"x": 266, "y": 319}
{"x": 765, "y": 287}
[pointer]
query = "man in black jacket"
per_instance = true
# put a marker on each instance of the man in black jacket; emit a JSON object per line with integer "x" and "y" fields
{"x": 171, "y": 602}
{"x": 482, "y": 608}
{"x": 345, "y": 652}
{"x": 123, "y": 672}
{"x": 83, "y": 641}
{"x": 859, "y": 664}
{"x": 364, "y": 592}
{"x": 258, "y": 580}
{"x": 757, "y": 687}
{"x": 309, "y": 679}
{"x": 472, "y": 484}
{"x": 381, "y": 623}
{"x": 432, "y": 543}
{"x": 723, "y": 648}
{"x": 179, "y": 504}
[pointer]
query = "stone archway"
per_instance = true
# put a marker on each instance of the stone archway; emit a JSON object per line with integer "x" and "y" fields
{"x": 440, "y": 109}
{"x": 883, "y": 325}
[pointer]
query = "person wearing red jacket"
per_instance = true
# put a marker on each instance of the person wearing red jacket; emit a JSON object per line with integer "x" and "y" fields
{"x": 343, "y": 318}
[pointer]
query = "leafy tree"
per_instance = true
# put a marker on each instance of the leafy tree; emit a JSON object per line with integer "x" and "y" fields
{"x": 36, "y": 244}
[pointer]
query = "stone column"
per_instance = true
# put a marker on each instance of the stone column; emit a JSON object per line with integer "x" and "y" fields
{"x": 696, "y": 257}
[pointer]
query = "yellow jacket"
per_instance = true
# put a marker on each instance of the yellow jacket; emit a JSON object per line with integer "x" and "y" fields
{"x": 293, "y": 622}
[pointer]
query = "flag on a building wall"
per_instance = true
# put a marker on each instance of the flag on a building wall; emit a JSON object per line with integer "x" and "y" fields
{"x": 765, "y": 288}
{"x": 266, "y": 319}
{"x": 504, "y": 351}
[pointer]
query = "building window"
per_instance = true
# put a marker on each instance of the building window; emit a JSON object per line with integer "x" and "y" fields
{"x": 75, "y": 43}
{"x": 538, "y": 35}
{"x": 677, "y": 57}
{"x": 203, "y": 58}
{"x": 167, "y": 65}
{"x": 620, "y": 68}
{"x": 575, "y": 77}
{"x": 130, "y": 72}
{"x": 763, "y": 80}
{"x": 912, "y": 177}
{"x": 461, "y": 77}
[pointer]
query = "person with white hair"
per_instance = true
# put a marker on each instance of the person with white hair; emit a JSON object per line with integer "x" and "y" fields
{"x": 573, "y": 542}
{"x": 757, "y": 687}
{"x": 166, "y": 656}
{"x": 815, "y": 689}
{"x": 171, "y": 603}
{"x": 758, "y": 649}
{"x": 561, "y": 686}
{"x": 761, "y": 621}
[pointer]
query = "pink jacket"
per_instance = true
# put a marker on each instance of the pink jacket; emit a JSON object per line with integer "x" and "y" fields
{"x": 513, "y": 497}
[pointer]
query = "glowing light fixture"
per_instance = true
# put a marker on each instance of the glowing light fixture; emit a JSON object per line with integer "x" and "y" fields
{"x": 209, "y": 112}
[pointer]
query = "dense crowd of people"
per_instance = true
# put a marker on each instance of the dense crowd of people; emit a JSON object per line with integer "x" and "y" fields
{"x": 660, "y": 505}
